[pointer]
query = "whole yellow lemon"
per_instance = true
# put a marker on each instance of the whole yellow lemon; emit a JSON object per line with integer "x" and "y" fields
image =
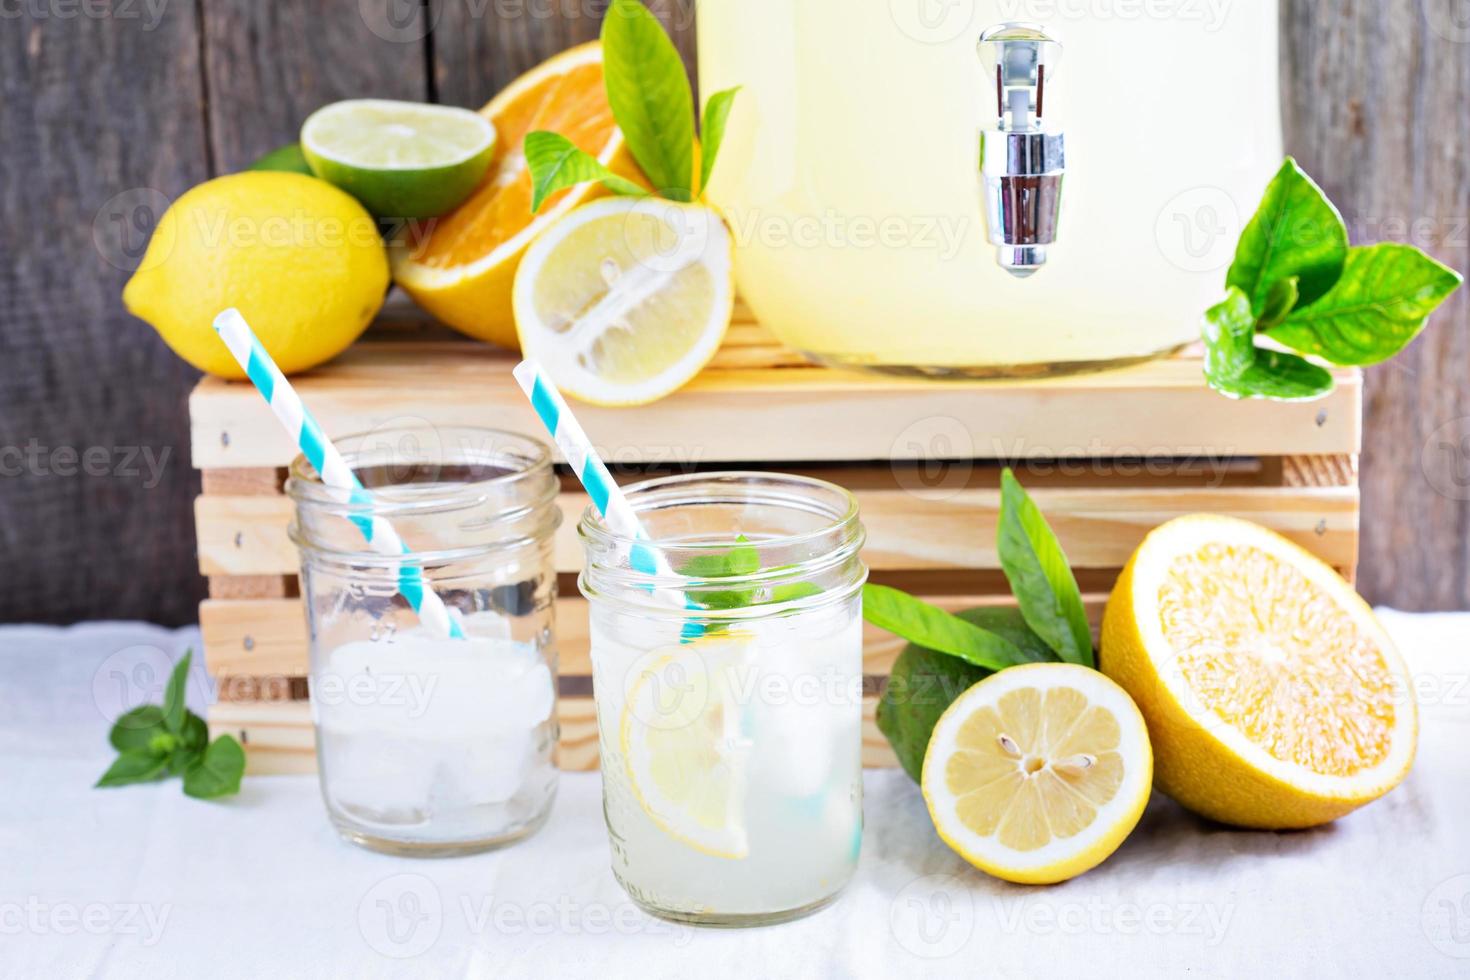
{"x": 300, "y": 259}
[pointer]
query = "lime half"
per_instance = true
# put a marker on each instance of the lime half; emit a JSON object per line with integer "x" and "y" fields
{"x": 400, "y": 159}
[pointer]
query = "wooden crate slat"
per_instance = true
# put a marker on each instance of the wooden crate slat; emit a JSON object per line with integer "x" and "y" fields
{"x": 266, "y": 639}
{"x": 754, "y": 413}
{"x": 1098, "y": 527}
{"x": 278, "y": 737}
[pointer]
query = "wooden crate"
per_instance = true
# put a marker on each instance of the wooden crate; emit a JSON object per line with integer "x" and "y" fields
{"x": 1107, "y": 456}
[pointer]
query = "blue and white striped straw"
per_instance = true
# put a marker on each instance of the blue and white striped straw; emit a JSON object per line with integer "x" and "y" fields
{"x": 610, "y": 502}
{"x": 335, "y": 473}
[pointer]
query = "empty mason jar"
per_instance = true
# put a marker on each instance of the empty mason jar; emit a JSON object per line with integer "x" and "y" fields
{"x": 429, "y": 744}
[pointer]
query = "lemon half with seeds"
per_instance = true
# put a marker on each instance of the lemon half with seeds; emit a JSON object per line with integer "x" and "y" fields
{"x": 1039, "y": 772}
{"x": 1274, "y": 698}
{"x": 626, "y": 299}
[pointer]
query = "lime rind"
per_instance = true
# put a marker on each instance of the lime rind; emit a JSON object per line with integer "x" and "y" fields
{"x": 402, "y": 160}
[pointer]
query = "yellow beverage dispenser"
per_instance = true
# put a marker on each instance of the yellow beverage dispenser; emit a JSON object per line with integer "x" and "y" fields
{"x": 989, "y": 188}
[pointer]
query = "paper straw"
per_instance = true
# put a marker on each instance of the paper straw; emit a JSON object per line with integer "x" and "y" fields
{"x": 335, "y": 473}
{"x": 609, "y": 500}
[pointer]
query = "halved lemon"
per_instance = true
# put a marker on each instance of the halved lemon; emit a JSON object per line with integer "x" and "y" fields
{"x": 1037, "y": 773}
{"x": 461, "y": 267}
{"x": 1274, "y": 698}
{"x": 685, "y": 751}
{"x": 625, "y": 299}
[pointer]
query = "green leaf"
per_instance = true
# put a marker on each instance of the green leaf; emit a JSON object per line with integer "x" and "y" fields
{"x": 1380, "y": 304}
{"x": 649, "y": 92}
{"x": 712, "y": 132}
{"x": 929, "y": 626}
{"x": 133, "y": 766}
{"x": 218, "y": 772}
{"x": 556, "y": 163}
{"x": 1281, "y": 377}
{"x": 1296, "y": 232}
{"x": 288, "y": 158}
{"x": 173, "y": 694}
{"x": 744, "y": 560}
{"x": 792, "y": 591}
{"x": 1040, "y": 578}
{"x": 191, "y": 745}
{"x": 136, "y": 728}
{"x": 196, "y": 732}
{"x": 924, "y": 682}
{"x": 1229, "y": 332}
{"x": 1280, "y": 301}
{"x": 1237, "y": 368}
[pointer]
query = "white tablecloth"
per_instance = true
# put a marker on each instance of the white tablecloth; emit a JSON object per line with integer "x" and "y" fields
{"x": 143, "y": 881}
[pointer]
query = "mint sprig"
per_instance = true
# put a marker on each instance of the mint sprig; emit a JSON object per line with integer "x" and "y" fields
{"x": 171, "y": 740}
{"x": 652, "y": 103}
{"x": 1039, "y": 575}
{"x": 947, "y": 653}
{"x": 1051, "y": 623}
{"x": 1297, "y": 283}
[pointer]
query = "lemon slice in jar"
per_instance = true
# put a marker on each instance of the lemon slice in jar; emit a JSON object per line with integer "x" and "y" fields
{"x": 684, "y": 745}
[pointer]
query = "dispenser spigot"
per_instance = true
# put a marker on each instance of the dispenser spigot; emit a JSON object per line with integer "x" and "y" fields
{"x": 1021, "y": 162}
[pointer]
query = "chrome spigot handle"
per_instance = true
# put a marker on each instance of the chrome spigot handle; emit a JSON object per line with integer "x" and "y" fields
{"x": 1022, "y": 162}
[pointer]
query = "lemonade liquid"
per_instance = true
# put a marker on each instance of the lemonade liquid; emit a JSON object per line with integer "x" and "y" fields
{"x": 761, "y": 726}
{"x": 849, "y": 175}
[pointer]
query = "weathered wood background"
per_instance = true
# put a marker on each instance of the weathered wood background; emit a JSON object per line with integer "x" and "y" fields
{"x": 110, "y": 109}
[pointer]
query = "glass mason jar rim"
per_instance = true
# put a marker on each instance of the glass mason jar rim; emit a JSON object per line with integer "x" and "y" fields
{"x": 305, "y": 485}
{"x": 824, "y": 551}
{"x": 525, "y": 459}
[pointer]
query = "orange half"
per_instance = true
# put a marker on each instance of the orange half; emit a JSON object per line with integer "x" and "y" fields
{"x": 461, "y": 267}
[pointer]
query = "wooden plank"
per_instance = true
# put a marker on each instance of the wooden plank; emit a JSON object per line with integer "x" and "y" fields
{"x": 479, "y": 48}
{"x": 278, "y": 737}
{"x": 788, "y": 413}
{"x": 103, "y": 127}
{"x": 270, "y": 65}
{"x": 265, "y": 639}
{"x": 1375, "y": 109}
{"x": 906, "y": 530}
{"x": 251, "y": 586}
{"x": 262, "y": 482}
